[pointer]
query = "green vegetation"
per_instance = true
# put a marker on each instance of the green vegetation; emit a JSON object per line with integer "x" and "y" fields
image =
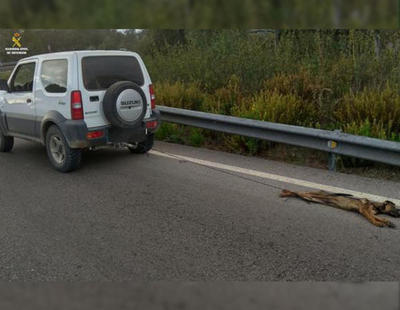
{"x": 335, "y": 79}
{"x": 199, "y": 14}
{"x": 346, "y": 80}
{"x": 4, "y": 75}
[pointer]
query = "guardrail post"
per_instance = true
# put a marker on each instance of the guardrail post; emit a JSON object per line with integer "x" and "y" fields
{"x": 332, "y": 162}
{"x": 332, "y": 156}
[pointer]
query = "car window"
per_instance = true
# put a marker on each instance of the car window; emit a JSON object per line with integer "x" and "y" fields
{"x": 54, "y": 75}
{"x": 100, "y": 72}
{"x": 22, "y": 80}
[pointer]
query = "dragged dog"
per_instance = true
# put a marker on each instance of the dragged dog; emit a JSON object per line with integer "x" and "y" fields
{"x": 369, "y": 209}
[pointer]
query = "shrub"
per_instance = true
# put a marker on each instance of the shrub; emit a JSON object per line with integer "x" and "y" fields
{"x": 180, "y": 95}
{"x": 371, "y": 113}
{"x": 196, "y": 138}
{"x": 275, "y": 107}
{"x": 171, "y": 133}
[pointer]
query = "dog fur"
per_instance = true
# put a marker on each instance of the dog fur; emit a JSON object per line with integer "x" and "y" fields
{"x": 369, "y": 209}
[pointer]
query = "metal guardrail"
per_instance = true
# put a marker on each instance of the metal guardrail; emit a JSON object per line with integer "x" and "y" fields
{"x": 7, "y": 66}
{"x": 333, "y": 142}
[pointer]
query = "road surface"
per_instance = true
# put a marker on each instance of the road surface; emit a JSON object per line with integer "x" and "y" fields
{"x": 175, "y": 214}
{"x": 200, "y": 296}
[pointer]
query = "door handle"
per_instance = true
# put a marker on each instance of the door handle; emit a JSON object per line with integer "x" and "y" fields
{"x": 29, "y": 100}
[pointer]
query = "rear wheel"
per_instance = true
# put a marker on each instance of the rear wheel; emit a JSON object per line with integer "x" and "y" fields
{"x": 6, "y": 143}
{"x": 143, "y": 147}
{"x": 61, "y": 156}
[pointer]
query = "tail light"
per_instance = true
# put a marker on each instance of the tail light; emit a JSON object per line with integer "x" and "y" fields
{"x": 152, "y": 97}
{"x": 76, "y": 105}
{"x": 95, "y": 134}
{"x": 151, "y": 125}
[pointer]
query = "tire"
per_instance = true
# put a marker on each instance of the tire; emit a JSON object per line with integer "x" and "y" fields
{"x": 143, "y": 147}
{"x": 6, "y": 143}
{"x": 61, "y": 156}
{"x": 125, "y": 105}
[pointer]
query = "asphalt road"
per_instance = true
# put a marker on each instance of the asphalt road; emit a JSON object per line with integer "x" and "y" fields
{"x": 149, "y": 217}
{"x": 201, "y": 296}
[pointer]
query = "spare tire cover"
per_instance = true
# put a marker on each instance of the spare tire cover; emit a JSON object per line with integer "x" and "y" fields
{"x": 125, "y": 104}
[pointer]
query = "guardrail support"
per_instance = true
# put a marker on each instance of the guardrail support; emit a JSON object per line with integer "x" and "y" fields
{"x": 333, "y": 145}
{"x": 332, "y": 162}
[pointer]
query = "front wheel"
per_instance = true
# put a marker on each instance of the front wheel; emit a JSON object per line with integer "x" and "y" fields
{"x": 6, "y": 143}
{"x": 143, "y": 147}
{"x": 61, "y": 156}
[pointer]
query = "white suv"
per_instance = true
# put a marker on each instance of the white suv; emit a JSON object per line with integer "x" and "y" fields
{"x": 71, "y": 101}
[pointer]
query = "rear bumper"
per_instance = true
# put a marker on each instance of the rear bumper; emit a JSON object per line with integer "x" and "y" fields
{"x": 155, "y": 117}
{"x": 76, "y": 134}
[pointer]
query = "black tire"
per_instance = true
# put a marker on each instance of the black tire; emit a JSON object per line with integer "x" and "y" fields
{"x": 143, "y": 147}
{"x": 72, "y": 157}
{"x": 6, "y": 143}
{"x": 110, "y": 108}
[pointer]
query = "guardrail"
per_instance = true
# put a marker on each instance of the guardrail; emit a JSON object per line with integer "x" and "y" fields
{"x": 7, "y": 66}
{"x": 333, "y": 142}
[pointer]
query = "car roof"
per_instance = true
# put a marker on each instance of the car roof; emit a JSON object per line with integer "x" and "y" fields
{"x": 81, "y": 52}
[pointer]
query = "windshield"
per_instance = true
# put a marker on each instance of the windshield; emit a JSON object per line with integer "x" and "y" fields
{"x": 100, "y": 72}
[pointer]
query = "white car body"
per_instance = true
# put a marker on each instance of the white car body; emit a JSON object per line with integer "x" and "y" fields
{"x": 92, "y": 97}
{"x": 43, "y": 101}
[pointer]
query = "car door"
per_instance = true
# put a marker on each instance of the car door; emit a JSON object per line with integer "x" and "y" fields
{"x": 19, "y": 105}
{"x": 53, "y": 88}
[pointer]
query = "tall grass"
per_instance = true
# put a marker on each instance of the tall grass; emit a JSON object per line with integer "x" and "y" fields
{"x": 346, "y": 80}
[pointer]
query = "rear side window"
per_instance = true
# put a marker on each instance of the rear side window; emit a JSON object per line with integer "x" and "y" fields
{"x": 54, "y": 75}
{"x": 23, "y": 78}
{"x": 100, "y": 72}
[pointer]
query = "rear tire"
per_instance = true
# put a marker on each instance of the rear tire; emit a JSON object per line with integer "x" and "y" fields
{"x": 143, "y": 147}
{"x": 6, "y": 143}
{"x": 61, "y": 156}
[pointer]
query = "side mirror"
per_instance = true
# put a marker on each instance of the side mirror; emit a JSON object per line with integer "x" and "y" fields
{"x": 4, "y": 85}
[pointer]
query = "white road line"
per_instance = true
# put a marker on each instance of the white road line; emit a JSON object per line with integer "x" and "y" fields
{"x": 276, "y": 177}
